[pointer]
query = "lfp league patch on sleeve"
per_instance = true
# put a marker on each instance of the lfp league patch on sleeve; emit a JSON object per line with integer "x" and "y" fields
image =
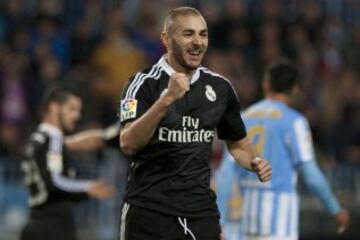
{"x": 128, "y": 109}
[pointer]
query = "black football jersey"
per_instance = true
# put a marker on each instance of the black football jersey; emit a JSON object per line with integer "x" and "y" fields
{"x": 171, "y": 174}
{"x": 46, "y": 171}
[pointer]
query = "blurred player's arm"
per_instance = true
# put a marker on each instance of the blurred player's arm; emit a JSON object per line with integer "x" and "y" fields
{"x": 245, "y": 154}
{"x": 137, "y": 133}
{"x": 91, "y": 139}
{"x": 317, "y": 184}
{"x": 76, "y": 189}
{"x": 301, "y": 146}
{"x": 232, "y": 130}
{"x": 52, "y": 177}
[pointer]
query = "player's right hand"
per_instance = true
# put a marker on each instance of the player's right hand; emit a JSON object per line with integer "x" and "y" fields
{"x": 343, "y": 220}
{"x": 262, "y": 168}
{"x": 178, "y": 85}
{"x": 100, "y": 190}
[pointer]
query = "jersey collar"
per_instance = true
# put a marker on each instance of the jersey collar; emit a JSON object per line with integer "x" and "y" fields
{"x": 50, "y": 129}
{"x": 169, "y": 70}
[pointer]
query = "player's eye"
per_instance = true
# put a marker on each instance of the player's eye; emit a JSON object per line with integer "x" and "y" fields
{"x": 204, "y": 34}
{"x": 188, "y": 33}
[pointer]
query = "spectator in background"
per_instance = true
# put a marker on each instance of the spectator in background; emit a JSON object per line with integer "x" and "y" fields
{"x": 9, "y": 139}
{"x": 83, "y": 42}
{"x": 46, "y": 72}
{"x": 269, "y": 40}
{"x": 342, "y": 112}
{"x": 13, "y": 16}
{"x": 49, "y": 38}
{"x": 13, "y": 93}
{"x": 116, "y": 58}
{"x": 144, "y": 33}
{"x": 231, "y": 30}
{"x": 86, "y": 32}
{"x": 352, "y": 47}
{"x": 282, "y": 135}
{"x": 312, "y": 16}
{"x": 14, "y": 108}
{"x": 52, "y": 187}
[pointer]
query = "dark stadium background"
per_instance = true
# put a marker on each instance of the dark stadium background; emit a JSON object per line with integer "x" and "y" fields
{"x": 95, "y": 45}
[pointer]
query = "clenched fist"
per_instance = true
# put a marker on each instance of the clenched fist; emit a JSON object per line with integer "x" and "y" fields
{"x": 262, "y": 169}
{"x": 178, "y": 85}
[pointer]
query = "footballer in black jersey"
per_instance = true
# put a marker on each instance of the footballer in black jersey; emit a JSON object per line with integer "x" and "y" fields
{"x": 169, "y": 116}
{"x": 171, "y": 173}
{"x": 52, "y": 188}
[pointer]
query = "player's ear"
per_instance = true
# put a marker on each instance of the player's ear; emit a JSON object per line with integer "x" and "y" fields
{"x": 165, "y": 39}
{"x": 53, "y": 107}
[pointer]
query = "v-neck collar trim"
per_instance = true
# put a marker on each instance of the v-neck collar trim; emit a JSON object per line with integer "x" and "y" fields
{"x": 170, "y": 71}
{"x": 51, "y": 129}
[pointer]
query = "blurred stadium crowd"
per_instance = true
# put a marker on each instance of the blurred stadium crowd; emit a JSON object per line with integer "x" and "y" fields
{"x": 95, "y": 45}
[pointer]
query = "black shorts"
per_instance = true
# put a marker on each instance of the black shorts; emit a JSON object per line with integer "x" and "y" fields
{"x": 143, "y": 224}
{"x": 52, "y": 222}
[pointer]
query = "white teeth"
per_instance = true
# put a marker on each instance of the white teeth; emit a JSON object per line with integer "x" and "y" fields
{"x": 194, "y": 52}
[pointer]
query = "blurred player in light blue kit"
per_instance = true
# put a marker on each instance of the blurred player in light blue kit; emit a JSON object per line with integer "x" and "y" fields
{"x": 282, "y": 135}
{"x": 227, "y": 186}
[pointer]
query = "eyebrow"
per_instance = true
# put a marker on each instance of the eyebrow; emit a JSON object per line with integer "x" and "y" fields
{"x": 193, "y": 30}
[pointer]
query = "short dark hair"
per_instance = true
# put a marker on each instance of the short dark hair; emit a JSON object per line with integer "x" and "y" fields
{"x": 282, "y": 76}
{"x": 174, "y": 13}
{"x": 58, "y": 95}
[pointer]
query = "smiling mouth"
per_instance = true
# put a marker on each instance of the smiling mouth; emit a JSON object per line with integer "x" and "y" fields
{"x": 194, "y": 52}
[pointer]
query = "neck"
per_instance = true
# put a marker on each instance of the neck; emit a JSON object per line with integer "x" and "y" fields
{"x": 278, "y": 97}
{"x": 53, "y": 121}
{"x": 177, "y": 67}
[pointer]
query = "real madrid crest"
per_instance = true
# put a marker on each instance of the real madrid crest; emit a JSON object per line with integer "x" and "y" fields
{"x": 210, "y": 93}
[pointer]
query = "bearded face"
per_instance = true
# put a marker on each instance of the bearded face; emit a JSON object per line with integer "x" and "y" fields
{"x": 188, "y": 42}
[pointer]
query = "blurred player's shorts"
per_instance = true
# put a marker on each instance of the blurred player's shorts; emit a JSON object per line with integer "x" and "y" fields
{"x": 253, "y": 237}
{"x": 232, "y": 231}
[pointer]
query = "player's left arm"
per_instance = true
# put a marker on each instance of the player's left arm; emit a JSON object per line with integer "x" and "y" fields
{"x": 317, "y": 184}
{"x": 302, "y": 149}
{"x": 245, "y": 154}
{"x": 231, "y": 128}
{"x": 91, "y": 139}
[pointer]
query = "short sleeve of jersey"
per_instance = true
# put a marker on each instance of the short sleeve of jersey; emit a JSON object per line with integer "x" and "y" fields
{"x": 135, "y": 100}
{"x": 231, "y": 125}
{"x": 300, "y": 141}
